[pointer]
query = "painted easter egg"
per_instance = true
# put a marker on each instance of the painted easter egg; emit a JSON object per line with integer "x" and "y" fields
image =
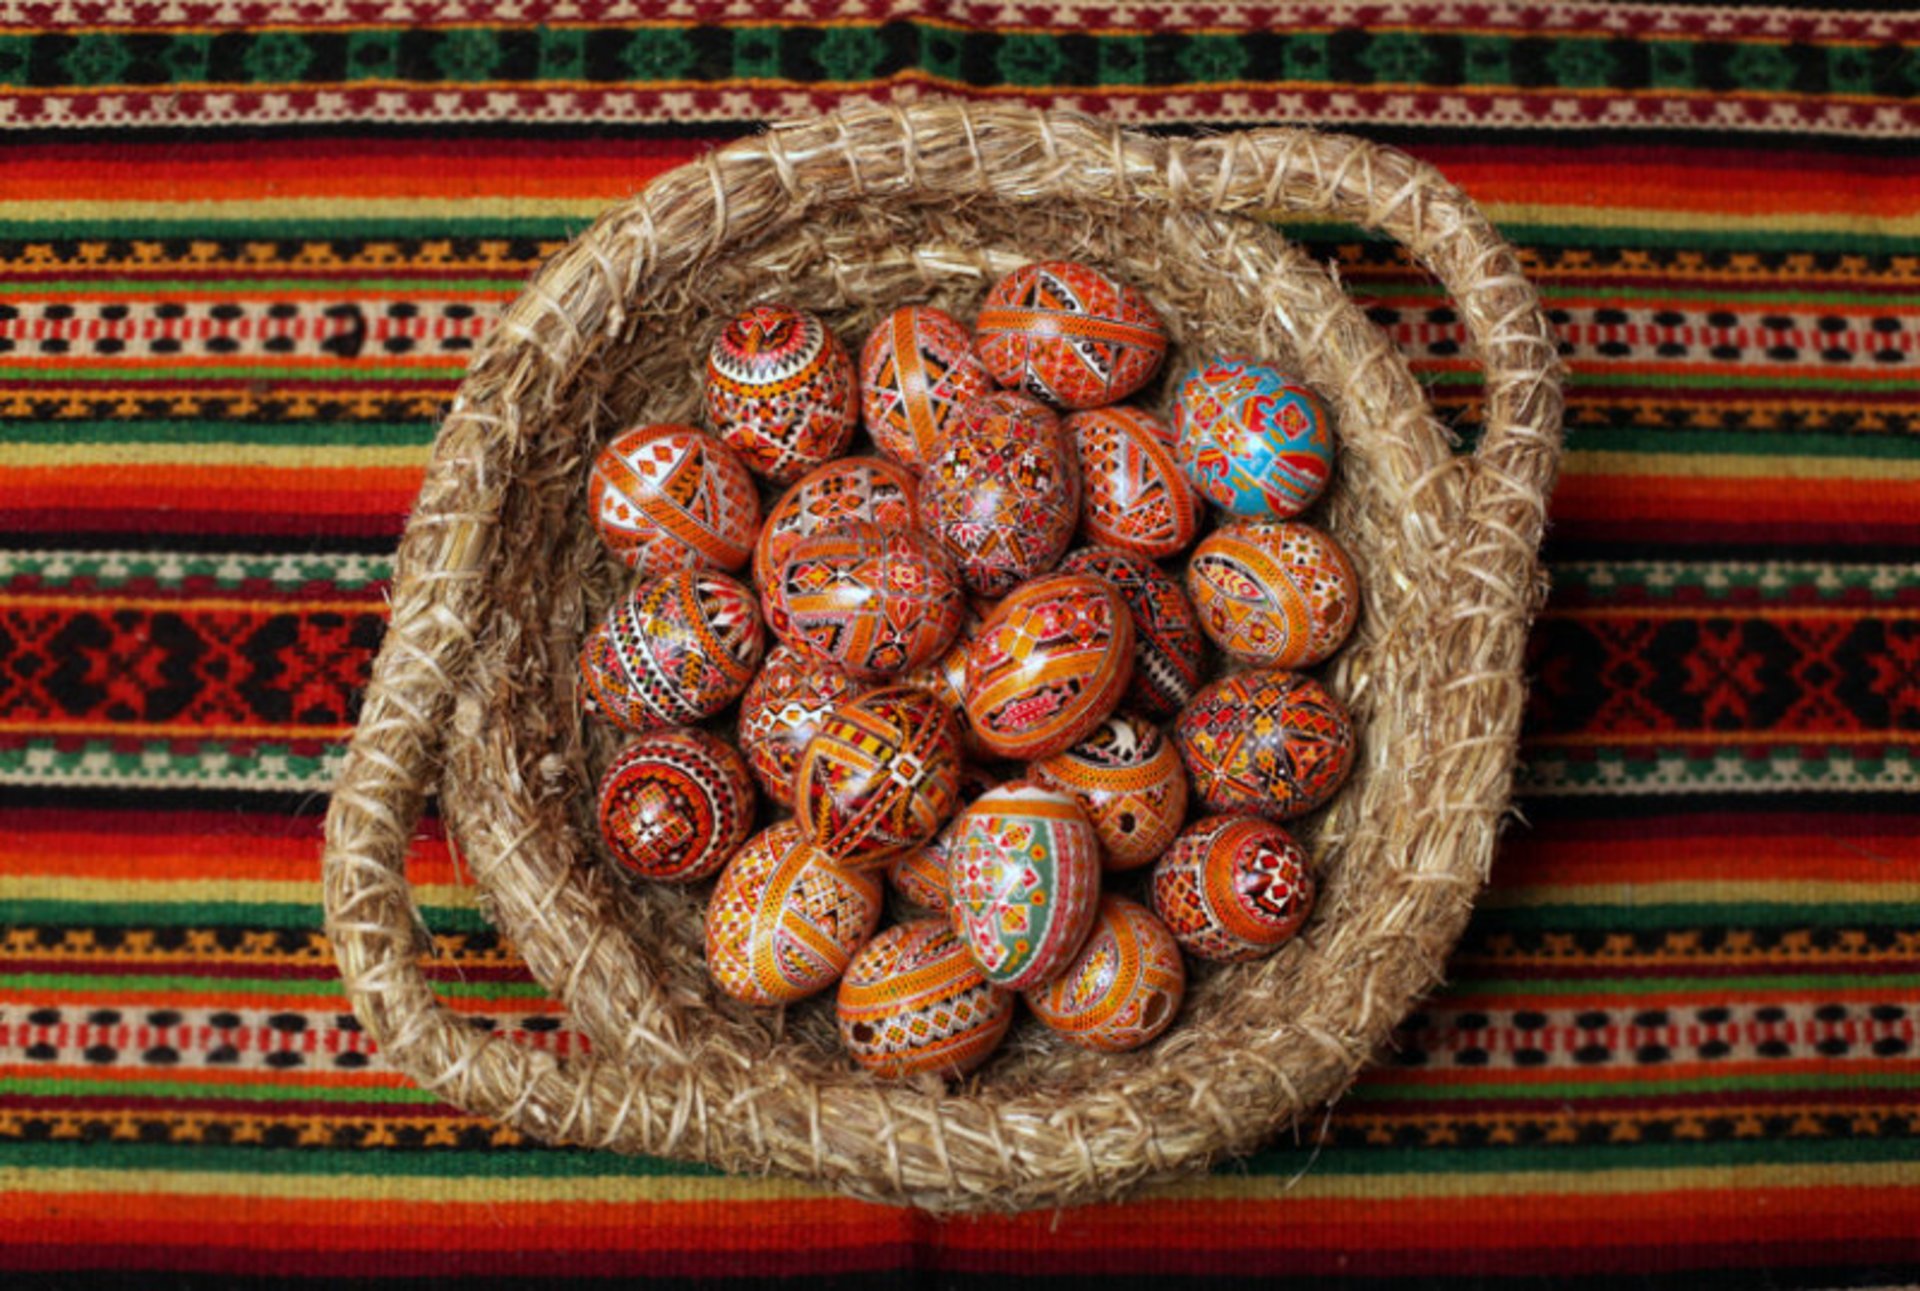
{"x": 784, "y": 922}
{"x": 670, "y": 497}
{"x": 674, "y": 651}
{"x": 1253, "y": 440}
{"x": 1134, "y": 495}
{"x": 829, "y": 497}
{"x": 674, "y": 805}
{"x": 1049, "y": 665}
{"x": 1274, "y": 595}
{"x": 876, "y": 603}
{"x": 1123, "y": 988}
{"x": 1273, "y": 743}
{"x": 1003, "y": 498}
{"x": 782, "y": 710}
{"x": 916, "y": 371}
{"x": 1127, "y": 777}
{"x": 913, "y": 1002}
{"x": 1233, "y": 888}
{"x": 1169, "y": 652}
{"x": 781, "y": 391}
{"x": 1069, "y": 334}
{"x": 1023, "y": 878}
{"x": 882, "y": 775}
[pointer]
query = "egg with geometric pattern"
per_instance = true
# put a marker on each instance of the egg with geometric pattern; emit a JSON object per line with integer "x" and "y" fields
{"x": 675, "y": 804}
{"x": 917, "y": 370}
{"x": 1254, "y": 441}
{"x": 1273, "y": 743}
{"x": 1169, "y": 650}
{"x": 1123, "y": 988}
{"x": 1069, "y": 334}
{"x": 784, "y": 922}
{"x": 1127, "y": 777}
{"x": 1134, "y": 496}
{"x": 1233, "y": 888}
{"x": 880, "y": 776}
{"x": 782, "y": 710}
{"x": 1023, "y": 879}
{"x": 670, "y": 497}
{"x": 1002, "y": 495}
{"x": 781, "y": 391}
{"x": 672, "y": 652}
{"x": 877, "y": 603}
{"x": 1049, "y": 664}
{"x": 1274, "y": 595}
{"x": 913, "y": 1002}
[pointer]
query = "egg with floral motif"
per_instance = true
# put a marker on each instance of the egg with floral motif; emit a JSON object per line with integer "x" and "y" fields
{"x": 781, "y": 391}
{"x": 917, "y": 370}
{"x": 782, "y": 710}
{"x": 674, "y": 805}
{"x": 1254, "y": 441}
{"x": 1048, "y": 666}
{"x": 1002, "y": 496}
{"x": 881, "y": 776}
{"x": 876, "y": 603}
{"x": 669, "y": 497}
{"x": 672, "y": 652}
{"x": 1273, "y": 743}
{"x": 913, "y": 1003}
{"x": 1069, "y": 334}
{"x": 1023, "y": 878}
{"x": 1127, "y": 777}
{"x": 1233, "y": 888}
{"x": 1274, "y": 595}
{"x": 1169, "y": 652}
{"x": 1134, "y": 496}
{"x": 784, "y": 922}
{"x": 1123, "y": 988}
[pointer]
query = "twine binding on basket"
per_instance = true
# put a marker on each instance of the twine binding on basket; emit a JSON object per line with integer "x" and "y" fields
{"x": 498, "y": 575}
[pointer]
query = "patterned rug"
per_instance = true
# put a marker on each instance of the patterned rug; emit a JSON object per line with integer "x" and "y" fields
{"x": 245, "y": 248}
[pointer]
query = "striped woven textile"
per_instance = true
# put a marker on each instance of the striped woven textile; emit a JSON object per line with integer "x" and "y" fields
{"x": 245, "y": 247}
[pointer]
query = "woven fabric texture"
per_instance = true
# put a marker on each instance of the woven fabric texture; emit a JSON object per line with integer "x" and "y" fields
{"x": 244, "y": 250}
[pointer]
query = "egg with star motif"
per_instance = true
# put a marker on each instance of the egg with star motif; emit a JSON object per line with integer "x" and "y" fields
{"x": 1134, "y": 496}
{"x": 876, "y": 603}
{"x": 1254, "y": 441}
{"x": 1003, "y": 495}
{"x": 1128, "y": 779}
{"x": 1069, "y": 334}
{"x": 914, "y": 1003}
{"x": 1233, "y": 888}
{"x": 1124, "y": 987}
{"x": 1048, "y": 666}
{"x": 784, "y": 922}
{"x": 1023, "y": 878}
{"x": 674, "y": 805}
{"x": 1169, "y": 651}
{"x": 881, "y": 776}
{"x": 782, "y": 710}
{"x": 781, "y": 391}
{"x": 917, "y": 370}
{"x": 672, "y": 652}
{"x": 1273, "y": 743}
{"x": 1274, "y": 595}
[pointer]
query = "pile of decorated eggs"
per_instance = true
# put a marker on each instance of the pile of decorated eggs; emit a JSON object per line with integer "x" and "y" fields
{"x": 902, "y": 630}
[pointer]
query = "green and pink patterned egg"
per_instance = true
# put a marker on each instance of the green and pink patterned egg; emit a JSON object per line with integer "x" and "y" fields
{"x": 1049, "y": 665}
{"x": 781, "y": 391}
{"x": 917, "y": 370}
{"x": 674, "y": 805}
{"x": 784, "y": 922}
{"x": 1134, "y": 496}
{"x": 881, "y": 775}
{"x": 1123, "y": 988}
{"x": 1066, "y": 333}
{"x": 1272, "y": 743}
{"x": 674, "y": 651}
{"x": 1023, "y": 876}
{"x": 876, "y": 603}
{"x": 670, "y": 497}
{"x": 1003, "y": 494}
{"x": 1127, "y": 777}
{"x": 1233, "y": 888}
{"x": 1274, "y": 595}
{"x": 782, "y": 710}
{"x": 913, "y": 1002}
{"x": 1169, "y": 652}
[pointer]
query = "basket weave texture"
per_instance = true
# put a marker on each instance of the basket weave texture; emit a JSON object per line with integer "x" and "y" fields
{"x": 499, "y": 574}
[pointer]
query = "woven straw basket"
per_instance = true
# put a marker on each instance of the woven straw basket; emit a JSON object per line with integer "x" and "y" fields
{"x": 499, "y": 574}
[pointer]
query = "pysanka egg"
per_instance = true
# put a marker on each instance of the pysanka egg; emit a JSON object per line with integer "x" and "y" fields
{"x": 1273, "y": 743}
{"x": 913, "y": 1001}
{"x": 1274, "y": 595}
{"x": 1134, "y": 495}
{"x": 1023, "y": 878}
{"x": 782, "y": 711}
{"x": 669, "y": 497}
{"x": 1048, "y": 665}
{"x": 1003, "y": 497}
{"x": 674, "y": 805}
{"x": 917, "y": 369}
{"x": 829, "y": 497}
{"x": 1069, "y": 334}
{"x": 1127, "y": 777}
{"x": 674, "y": 651}
{"x": 781, "y": 391}
{"x": 1169, "y": 652}
{"x": 1123, "y": 988}
{"x": 1253, "y": 440}
{"x": 882, "y": 775}
{"x": 876, "y": 603}
{"x": 1233, "y": 888}
{"x": 784, "y": 922}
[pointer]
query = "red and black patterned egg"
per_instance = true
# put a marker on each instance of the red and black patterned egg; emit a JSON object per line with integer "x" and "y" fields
{"x": 829, "y": 497}
{"x": 1274, "y": 595}
{"x": 876, "y": 603}
{"x": 1233, "y": 888}
{"x": 917, "y": 370}
{"x": 674, "y": 651}
{"x": 782, "y": 710}
{"x": 881, "y": 775}
{"x": 1128, "y": 778}
{"x": 675, "y": 804}
{"x": 1048, "y": 666}
{"x": 1069, "y": 334}
{"x": 1003, "y": 497}
{"x": 1273, "y": 743}
{"x": 1134, "y": 496}
{"x": 670, "y": 497}
{"x": 781, "y": 391}
{"x": 1169, "y": 652}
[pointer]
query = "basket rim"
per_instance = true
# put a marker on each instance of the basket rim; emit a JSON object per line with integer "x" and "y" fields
{"x": 1498, "y": 497}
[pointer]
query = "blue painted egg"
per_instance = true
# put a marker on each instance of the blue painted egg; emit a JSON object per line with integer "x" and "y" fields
{"x": 1254, "y": 441}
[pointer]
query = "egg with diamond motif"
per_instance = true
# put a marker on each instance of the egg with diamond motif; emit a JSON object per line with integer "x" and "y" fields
{"x": 1273, "y": 743}
{"x": 782, "y": 710}
{"x": 1049, "y": 665}
{"x": 1123, "y": 988}
{"x": 674, "y": 805}
{"x": 876, "y": 603}
{"x": 881, "y": 775}
{"x": 917, "y": 370}
{"x": 1134, "y": 496}
{"x": 1254, "y": 441}
{"x": 1023, "y": 878}
{"x": 781, "y": 391}
{"x": 784, "y": 922}
{"x": 1069, "y": 334}
{"x": 1003, "y": 495}
{"x": 1274, "y": 595}
{"x": 826, "y": 499}
{"x": 672, "y": 652}
{"x": 1233, "y": 888}
{"x": 1169, "y": 652}
{"x": 1127, "y": 777}
{"x": 670, "y": 497}
{"x": 913, "y": 1002}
